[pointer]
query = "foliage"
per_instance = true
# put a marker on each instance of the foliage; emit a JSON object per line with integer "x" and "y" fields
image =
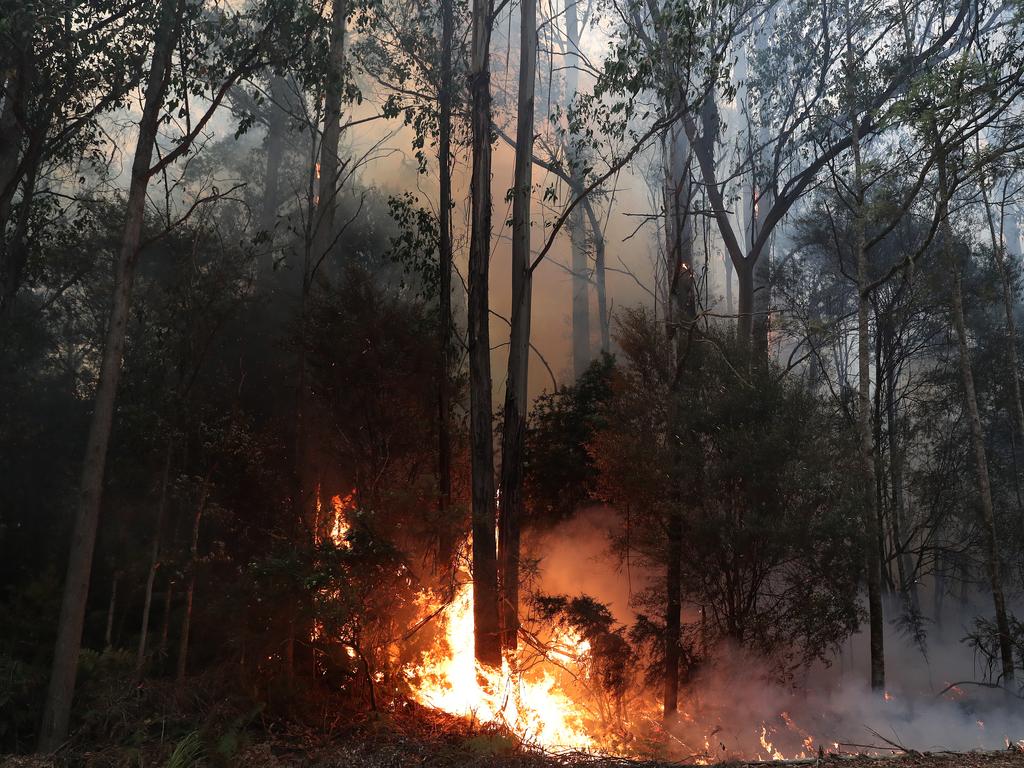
{"x": 771, "y": 557}
{"x": 560, "y": 474}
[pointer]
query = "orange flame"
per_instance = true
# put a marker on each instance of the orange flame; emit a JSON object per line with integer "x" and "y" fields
{"x": 537, "y": 710}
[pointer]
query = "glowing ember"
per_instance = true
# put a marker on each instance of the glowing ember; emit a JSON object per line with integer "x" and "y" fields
{"x": 535, "y": 709}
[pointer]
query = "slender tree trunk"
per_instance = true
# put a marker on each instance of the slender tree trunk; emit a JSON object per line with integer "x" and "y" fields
{"x": 485, "y": 566}
{"x": 872, "y": 549}
{"x": 682, "y": 309}
{"x": 761, "y": 303}
{"x": 999, "y": 257}
{"x": 186, "y": 621}
{"x": 977, "y": 435}
{"x": 581, "y": 352}
{"x": 765, "y": 199}
{"x": 729, "y": 301}
{"x": 57, "y": 712}
{"x": 600, "y": 282}
{"x": 673, "y": 608}
{"x": 154, "y": 561}
{"x": 276, "y": 141}
{"x": 745, "y": 302}
{"x": 514, "y": 432}
{"x": 165, "y": 624}
{"x": 908, "y": 584}
{"x": 873, "y": 564}
{"x": 327, "y": 203}
{"x": 444, "y": 446}
{"x": 111, "y": 610}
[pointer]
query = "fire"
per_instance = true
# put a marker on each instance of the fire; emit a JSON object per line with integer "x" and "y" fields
{"x": 340, "y": 506}
{"x": 337, "y": 525}
{"x": 768, "y": 747}
{"x": 534, "y": 707}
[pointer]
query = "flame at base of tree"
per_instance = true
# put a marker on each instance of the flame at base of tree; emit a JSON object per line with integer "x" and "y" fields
{"x": 533, "y": 706}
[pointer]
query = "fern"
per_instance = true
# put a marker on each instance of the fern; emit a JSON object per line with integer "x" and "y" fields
{"x": 187, "y": 752}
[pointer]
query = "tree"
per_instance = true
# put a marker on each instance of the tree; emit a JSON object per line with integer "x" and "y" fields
{"x": 171, "y": 21}
{"x": 485, "y": 566}
{"x": 514, "y": 431}
{"x": 66, "y": 65}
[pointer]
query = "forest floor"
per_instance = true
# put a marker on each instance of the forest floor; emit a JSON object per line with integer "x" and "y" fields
{"x": 482, "y": 751}
{"x": 265, "y": 756}
{"x": 150, "y": 726}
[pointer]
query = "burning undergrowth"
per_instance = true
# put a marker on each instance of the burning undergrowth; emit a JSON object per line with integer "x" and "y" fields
{"x": 579, "y": 681}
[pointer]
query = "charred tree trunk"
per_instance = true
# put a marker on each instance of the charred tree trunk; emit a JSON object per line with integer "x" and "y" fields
{"x": 514, "y": 432}
{"x": 446, "y": 547}
{"x": 485, "y": 566}
{"x": 57, "y": 711}
{"x": 977, "y": 435}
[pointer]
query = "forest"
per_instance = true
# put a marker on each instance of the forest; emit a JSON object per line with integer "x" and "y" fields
{"x": 511, "y": 383}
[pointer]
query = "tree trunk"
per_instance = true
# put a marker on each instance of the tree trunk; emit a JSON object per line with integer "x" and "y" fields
{"x": 907, "y": 580}
{"x": 682, "y": 316}
{"x": 977, "y": 436}
{"x": 186, "y": 621}
{"x": 446, "y": 548}
{"x": 581, "y": 353}
{"x": 14, "y": 251}
{"x": 111, "y": 610}
{"x": 485, "y": 567}
{"x": 12, "y": 130}
{"x": 514, "y": 432}
{"x": 999, "y": 249}
{"x": 761, "y": 302}
{"x": 745, "y": 302}
{"x": 673, "y": 608}
{"x": 165, "y": 625}
{"x": 154, "y": 562}
{"x": 57, "y": 712}
{"x": 327, "y": 202}
{"x": 600, "y": 282}
{"x": 873, "y": 564}
{"x": 763, "y": 199}
{"x": 276, "y": 141}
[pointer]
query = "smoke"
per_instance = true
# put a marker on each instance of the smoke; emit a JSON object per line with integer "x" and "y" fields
{"x": 935, "y": 698}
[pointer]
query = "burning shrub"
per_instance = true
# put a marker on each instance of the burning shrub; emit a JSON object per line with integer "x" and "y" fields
{"x": 610, "y": 655}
